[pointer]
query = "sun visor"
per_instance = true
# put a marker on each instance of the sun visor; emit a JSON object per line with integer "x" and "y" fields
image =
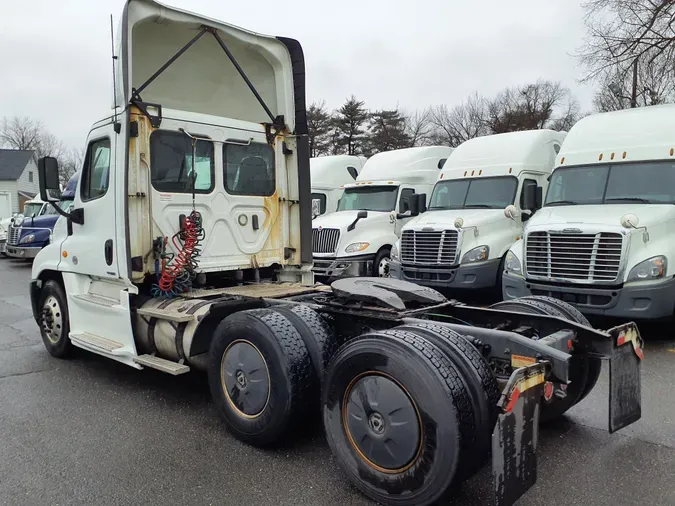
{"x": 203, "y": 79}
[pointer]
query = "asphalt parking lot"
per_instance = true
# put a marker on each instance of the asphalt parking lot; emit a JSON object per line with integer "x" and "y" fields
{"x": 91, "y": 431}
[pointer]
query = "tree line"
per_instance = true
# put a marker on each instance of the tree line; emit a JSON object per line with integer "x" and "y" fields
{"x": 29, "y": 134}
{"x": 353, "y": 129}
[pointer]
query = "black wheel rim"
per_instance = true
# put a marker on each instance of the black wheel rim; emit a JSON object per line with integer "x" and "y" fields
{"x": 382, "y": 423}
{"x": 245, "y": 378}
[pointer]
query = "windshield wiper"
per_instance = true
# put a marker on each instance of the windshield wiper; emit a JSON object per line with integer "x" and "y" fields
{"x": 562, "y": 203}
{"x": 477, "y": 206}
{"x": 629, "y": 199}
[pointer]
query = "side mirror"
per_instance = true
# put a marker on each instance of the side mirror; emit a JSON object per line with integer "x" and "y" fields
{"x": 529, "y": 199}
{"x": 359, "y": 216}
{"x": 48, "y": 176}
{"x": 511, "y": 212}
{"x": 316, "y": 208}
{"x": 422, "y": 198}
{"x": 539, "y": 198}
{"x": 414, "y": 203}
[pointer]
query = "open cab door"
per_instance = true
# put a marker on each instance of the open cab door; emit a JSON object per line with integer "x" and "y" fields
{"x": 230, "y": 102}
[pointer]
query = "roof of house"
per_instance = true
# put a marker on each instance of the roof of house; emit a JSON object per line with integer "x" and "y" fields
{"x": 13, "y": 162}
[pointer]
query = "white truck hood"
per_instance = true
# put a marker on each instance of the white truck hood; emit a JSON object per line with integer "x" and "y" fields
{"x": 607, "y": 214}
{"x": 446, "y": 219}
{"x": 377, "y": 230}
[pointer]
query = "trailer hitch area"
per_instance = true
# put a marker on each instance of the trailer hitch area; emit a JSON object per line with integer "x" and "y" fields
{"x": 625, "y": 388}
{"x": 514, "y": 440}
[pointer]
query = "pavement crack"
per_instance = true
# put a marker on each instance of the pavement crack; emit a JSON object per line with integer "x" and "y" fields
{"x": 23, "y": 373}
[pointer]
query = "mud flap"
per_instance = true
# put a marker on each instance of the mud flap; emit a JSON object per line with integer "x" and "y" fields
{"x": 625, "y": 404}
{"x": 514, "y": 440}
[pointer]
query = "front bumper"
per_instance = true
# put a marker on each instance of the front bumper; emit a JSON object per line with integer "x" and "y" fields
{"x": 478, "y": 275}
{"x": 345, "y": 267}
{"x": 645, "y": 300}
{"x": 23, "y": 252}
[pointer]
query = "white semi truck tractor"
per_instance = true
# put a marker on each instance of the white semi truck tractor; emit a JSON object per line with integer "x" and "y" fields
{"x": 488, "y": 189}
{"x": 603, "y": 239}
{"x": 356, "y": 240}
{"x": 329, "y": 175}
{"x": 188, "y": 246}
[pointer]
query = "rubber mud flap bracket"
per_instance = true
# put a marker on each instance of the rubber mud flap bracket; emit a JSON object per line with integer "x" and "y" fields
{"x": 514, "y": 440}
{"x": 625, "y": 389}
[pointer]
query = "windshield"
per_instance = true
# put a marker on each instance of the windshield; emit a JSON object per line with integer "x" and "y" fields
{"x": 644, "y": 182}
{"x": 32, "y": 209}
{"x": 371, "y": 198}
{"x": 63, "y": 204}
{"x": 478, "y": 193}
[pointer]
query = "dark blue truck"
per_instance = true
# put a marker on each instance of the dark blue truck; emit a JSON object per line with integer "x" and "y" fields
{"x": 27, "y": 236}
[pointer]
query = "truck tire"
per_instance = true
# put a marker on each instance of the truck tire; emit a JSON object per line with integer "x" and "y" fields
{"x": 381, "y": 263}
{"x": 572, "y": 313}
{"x": 397, "y": 417}
{"x": 260, "y": 375}
{"x": 316, "y": 334}
{"x": 53, "y": 320}
{"x": 480, "y": 383}
{"x": 556, "y": 407}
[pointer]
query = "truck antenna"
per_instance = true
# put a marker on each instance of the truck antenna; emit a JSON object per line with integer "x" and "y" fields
{"x": 116, "y": 124}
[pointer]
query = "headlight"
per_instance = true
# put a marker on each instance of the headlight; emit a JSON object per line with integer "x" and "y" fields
{"x": 653, "y": 268}
{"x": 512, "y": 264}
{"x": 393, "y": 254}
{"x": 476, "y": 255}
{"x": 29, "y": 238}
{"x": 357, "y": 246}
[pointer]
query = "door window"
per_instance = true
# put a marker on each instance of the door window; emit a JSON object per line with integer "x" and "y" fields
{"x": 171, "y": 163}
{"x": 96, "y": 173}
{"x": 249, "y": 169}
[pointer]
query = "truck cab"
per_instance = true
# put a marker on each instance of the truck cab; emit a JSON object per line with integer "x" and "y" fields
{"x": 603, "y": 239}
{"x": 31, "y": 209}
{"x": 330, "y": 174}
{"x": 356, "y": 240}
{"x": 29, "y": 235}
{"x": 489, "y": 187}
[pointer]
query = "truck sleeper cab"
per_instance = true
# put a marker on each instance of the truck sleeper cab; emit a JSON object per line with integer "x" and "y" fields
{"x": 330, "y": 174}
{"x": 489, "y": 187}
{"x": 357, "y": 239}
{"x": 188, "y": 246}
{"x": 603, "y": 240}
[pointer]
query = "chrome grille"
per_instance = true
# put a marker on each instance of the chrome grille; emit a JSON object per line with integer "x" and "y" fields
{"x": 582, "y": 257}
{"x": 429, "y": 248}
{"x": 325, "y": 240}
{"x": 13, "y": 236}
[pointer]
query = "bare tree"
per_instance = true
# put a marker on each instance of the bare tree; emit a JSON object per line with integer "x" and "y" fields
{"x": 70, "y": 161}
{"x": 20, "y": 133}
{"x": 625, "y": 35}
{"x": 655, "y": 86}
{"x": 418, "y": 127}
{"x": 452, "y": 126}
{"x": 544, "y": 104}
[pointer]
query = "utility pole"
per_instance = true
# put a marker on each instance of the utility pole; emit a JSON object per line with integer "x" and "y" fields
{"x": 633, "y": 96}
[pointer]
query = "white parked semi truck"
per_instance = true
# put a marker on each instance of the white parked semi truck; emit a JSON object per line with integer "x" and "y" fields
{"x": 329, "y": 175}
{"x": 188, "y": 245}
{"x": 357, "y": 239}
{"x": 488, "y": 189}
{"x": 603, "y": 240}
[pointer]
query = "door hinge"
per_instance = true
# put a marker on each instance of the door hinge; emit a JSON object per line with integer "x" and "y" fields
{"x": 140, "y": 195}
{"x": 290, "y": 201}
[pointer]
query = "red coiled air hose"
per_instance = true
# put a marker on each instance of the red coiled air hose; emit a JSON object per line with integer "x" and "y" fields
{"x": 183, "y": 260}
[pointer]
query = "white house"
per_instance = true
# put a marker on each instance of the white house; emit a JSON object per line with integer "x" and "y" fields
{"x": 18, "y": 179}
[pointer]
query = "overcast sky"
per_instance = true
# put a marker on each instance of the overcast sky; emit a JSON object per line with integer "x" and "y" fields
{"x": 55, "y": 55}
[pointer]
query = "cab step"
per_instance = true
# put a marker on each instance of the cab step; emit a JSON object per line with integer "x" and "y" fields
{"x": 161, "y": 364}
{"x": 99, "y": 300}
{"x": 97, "y": 342}
{"x": 161, "y": 314}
